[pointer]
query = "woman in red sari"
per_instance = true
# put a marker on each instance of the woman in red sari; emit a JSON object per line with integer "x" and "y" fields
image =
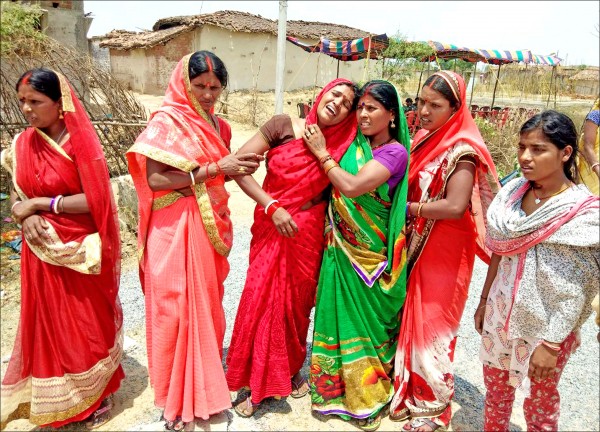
{"x": 178, "y": 165}
{"x": 268, "y": 345}
{"x": 452, "y": 179}
{"x": 67, "y": 354}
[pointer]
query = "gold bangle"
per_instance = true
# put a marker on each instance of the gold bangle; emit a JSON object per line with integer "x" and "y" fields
{"x": 325, "y": 159}
{"x": 328, "y": 164}
{"x": 331, "y": 167}
{"x": 419, "y": 209}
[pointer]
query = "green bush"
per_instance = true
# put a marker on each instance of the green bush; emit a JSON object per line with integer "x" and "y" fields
{"x": 20, "y": 25}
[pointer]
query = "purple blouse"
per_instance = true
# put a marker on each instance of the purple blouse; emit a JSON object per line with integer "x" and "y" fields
{"x": 394, "y": 157}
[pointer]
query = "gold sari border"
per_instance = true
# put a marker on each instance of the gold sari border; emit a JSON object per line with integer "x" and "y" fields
{"x": 65, "y": 90}
{"x": 84, "y": 257}
{"x": 166, "y": 200}
{"x": 163, "y": 156}
{"x": 206, "y": 212}
{"x": 53, "y": 144}
{"x": 60, "y": 398}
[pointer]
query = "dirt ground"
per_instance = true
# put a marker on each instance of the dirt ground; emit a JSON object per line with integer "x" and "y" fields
{"x": 134, "y": 402}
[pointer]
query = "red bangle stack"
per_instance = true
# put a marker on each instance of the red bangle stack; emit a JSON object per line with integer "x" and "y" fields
{"x": 272, "y": 209}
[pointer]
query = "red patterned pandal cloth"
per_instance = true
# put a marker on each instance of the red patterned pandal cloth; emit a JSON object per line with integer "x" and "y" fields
{"x": 183, "y": 243}
{"x": 268, "y": 344}
{"x": 68, "y": 349}
{"x": 441, "y": 258}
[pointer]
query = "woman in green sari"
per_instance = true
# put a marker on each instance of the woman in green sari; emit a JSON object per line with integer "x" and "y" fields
{"x": 362, "y": 283}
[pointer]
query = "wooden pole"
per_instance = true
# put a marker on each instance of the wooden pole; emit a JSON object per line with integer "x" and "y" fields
{"x": 495, "y": 86}
{"x": 524, "y": 81}
{"x": 550, "y": 86}
{"x": 337, "y": 74}
{"x": 420, "y": 77}
{"x": 473, "y": 87}
{"x": 281, "y": 29}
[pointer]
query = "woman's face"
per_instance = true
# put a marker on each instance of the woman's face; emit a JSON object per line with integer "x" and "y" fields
{"x": 373, "y": 118}
{"x": 335, "y": 105}
{"x": 207, "y": 88}
{"x": 539, "y": 158}
{"x": 433, "y": 109}
{"x": 39, "y": 110}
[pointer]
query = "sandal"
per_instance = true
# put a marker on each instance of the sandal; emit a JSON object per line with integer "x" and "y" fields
{"x": 175, "y": 425}
{"x": 403, "y": 414}
{"x": 299, "y": 389}
{"x": 101, "y": 416}
{"x": 420, "y": 422}
{"x": 246, "y": 408}
{"x": 370, "y": 424}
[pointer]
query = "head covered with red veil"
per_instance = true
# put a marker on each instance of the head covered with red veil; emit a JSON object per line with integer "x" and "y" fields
{"x": 459, "y": 128}
{"x": 182, "y": 135}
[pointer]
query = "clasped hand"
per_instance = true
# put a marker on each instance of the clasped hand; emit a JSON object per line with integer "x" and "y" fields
{"x": 240, "y": 164}
{"x": 314, "y": 140}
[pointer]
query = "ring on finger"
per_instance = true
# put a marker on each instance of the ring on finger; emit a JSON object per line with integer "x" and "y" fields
{"x": 312, "y": 131}
{"x": 242, "y": 169}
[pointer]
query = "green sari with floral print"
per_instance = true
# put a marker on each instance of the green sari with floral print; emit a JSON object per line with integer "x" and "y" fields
{"x": 361, "y": 289}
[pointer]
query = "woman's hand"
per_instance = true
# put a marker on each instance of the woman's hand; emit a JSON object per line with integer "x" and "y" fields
{"x": 315, "y": 140}
{"x": 240, "y": 164}
{"x": 479, "y": 316}
{"x": 284, "y": 222}
{"x": 23, "y": 210}
{"x": 34, "y": 229}
{"x": 542, "y": 363}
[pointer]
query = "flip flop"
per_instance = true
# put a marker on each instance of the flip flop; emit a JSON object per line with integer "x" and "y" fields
{"x": 101, "y": 416}
{"x": 246, "y": 409}
{"x": 370, "y": 424}
{"x": 297, "y": 388}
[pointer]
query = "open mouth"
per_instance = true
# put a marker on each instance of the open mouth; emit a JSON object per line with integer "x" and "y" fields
{"x": 331, "y": 110}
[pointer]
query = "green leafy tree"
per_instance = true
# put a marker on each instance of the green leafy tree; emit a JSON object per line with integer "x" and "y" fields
{"x": 20, "y": 27}
{"x": 402, "y": 58}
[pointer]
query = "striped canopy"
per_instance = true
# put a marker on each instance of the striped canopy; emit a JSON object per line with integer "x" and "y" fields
{"x": 497, "y": 57}
{"x": 349, "y": 50}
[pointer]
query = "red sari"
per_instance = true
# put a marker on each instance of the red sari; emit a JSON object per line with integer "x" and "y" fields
{"x": 68, "y": 348}
{"x": 268, "y": 344}
{"x": 441, "y": 257}
{"x": 183, "y": 244}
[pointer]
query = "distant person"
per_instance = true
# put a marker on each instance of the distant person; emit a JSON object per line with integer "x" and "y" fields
{"x": 362, "y": 284}
{"x": 268, "y": 344}
{"x": 543, "y": 232}
{"x": 409, "y": 105}
{"x": 179, "y": 164}
{"x": 451, "y": 182}
{"x": 589, "y": 152}
{"x": 66, "y": 360}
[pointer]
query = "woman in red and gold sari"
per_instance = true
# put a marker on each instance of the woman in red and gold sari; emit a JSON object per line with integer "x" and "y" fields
{"x": 67, "y": 354}
{"x": 452, "y": 180}
{"x": 268, "y": 345}
{"x": 178, "y": 165}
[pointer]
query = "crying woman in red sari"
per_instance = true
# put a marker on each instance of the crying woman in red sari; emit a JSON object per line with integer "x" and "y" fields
{"x": 66, "y": 358}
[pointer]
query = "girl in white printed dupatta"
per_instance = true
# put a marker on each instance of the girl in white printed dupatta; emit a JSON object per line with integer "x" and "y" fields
{"x": 543, "y": 231}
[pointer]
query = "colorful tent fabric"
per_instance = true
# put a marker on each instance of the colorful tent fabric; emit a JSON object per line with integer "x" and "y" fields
{"x": 496, "y": 57}
{"x": 349, "y": 50}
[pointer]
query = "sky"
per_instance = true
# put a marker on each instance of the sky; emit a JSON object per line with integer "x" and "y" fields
{"x": 566, "y": 28}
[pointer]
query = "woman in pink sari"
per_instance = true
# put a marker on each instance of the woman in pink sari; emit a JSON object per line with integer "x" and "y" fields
{"x": 543, "y": 232}
{"x": 178, "y": 165}
{"x": 268, "y": 345}
{"x": 451, "y": 183}
{"x": 66, "y": 358}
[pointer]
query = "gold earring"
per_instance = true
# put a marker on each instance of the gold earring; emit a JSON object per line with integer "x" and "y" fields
{"x": 392, "y": 125}
{"x": 60, "y": 114}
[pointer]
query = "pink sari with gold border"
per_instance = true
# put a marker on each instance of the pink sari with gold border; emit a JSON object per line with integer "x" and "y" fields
{"x": 183, "y": 243}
